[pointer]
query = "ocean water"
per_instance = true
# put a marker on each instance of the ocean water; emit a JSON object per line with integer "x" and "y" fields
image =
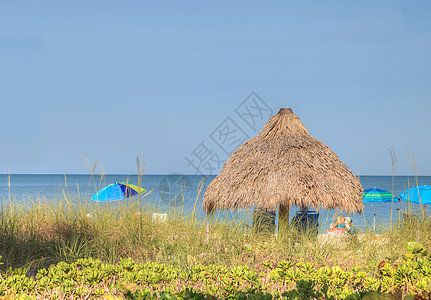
{"x": 181, "y": 191}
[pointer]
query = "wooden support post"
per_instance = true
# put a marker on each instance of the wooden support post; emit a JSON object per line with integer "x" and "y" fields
{"x": 283, "y": 221}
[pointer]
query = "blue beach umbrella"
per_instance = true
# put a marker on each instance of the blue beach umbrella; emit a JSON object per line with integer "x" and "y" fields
{"x": 419, "y": 194}
{"x": 117, "y": 191}
{"x": 376, "y": 195}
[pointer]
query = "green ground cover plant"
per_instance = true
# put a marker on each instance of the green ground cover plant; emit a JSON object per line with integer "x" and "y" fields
{"x": 408, "y": 276}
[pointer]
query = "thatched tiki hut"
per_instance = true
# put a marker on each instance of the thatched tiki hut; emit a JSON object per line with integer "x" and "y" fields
{"x": 283, "y": 166}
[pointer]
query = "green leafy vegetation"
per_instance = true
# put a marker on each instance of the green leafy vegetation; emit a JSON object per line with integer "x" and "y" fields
{"x": 89, "y": 278}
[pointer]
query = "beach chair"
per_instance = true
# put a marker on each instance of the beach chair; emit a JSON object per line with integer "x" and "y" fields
{"x": 410, "y": 219}
{"x": 306, "y": 221}
{"x": 263, "y": 221}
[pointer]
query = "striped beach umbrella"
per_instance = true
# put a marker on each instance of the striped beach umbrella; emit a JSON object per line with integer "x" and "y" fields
{"x": 117, "y": 191}
{"x": 376, "y": 195}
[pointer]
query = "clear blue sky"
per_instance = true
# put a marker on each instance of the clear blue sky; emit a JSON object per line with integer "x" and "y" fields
{"x": 110, "y": 80}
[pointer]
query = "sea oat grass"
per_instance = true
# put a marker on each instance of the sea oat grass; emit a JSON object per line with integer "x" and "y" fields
{"x": 47, "y": 232}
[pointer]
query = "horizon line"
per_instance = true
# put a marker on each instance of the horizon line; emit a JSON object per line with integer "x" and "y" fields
{"x": 164, "y": 174}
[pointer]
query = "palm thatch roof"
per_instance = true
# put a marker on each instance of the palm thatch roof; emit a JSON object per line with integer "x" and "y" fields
{"x": 284, "y": 165}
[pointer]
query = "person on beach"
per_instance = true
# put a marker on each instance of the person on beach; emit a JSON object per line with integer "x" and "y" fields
{"x": 341, "y": 226}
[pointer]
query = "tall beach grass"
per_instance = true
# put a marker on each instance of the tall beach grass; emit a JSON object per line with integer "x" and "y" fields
{"x": 49, "y": 231}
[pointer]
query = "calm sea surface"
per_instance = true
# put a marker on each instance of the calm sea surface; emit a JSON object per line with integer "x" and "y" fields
{"x": 182, "y": 191}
